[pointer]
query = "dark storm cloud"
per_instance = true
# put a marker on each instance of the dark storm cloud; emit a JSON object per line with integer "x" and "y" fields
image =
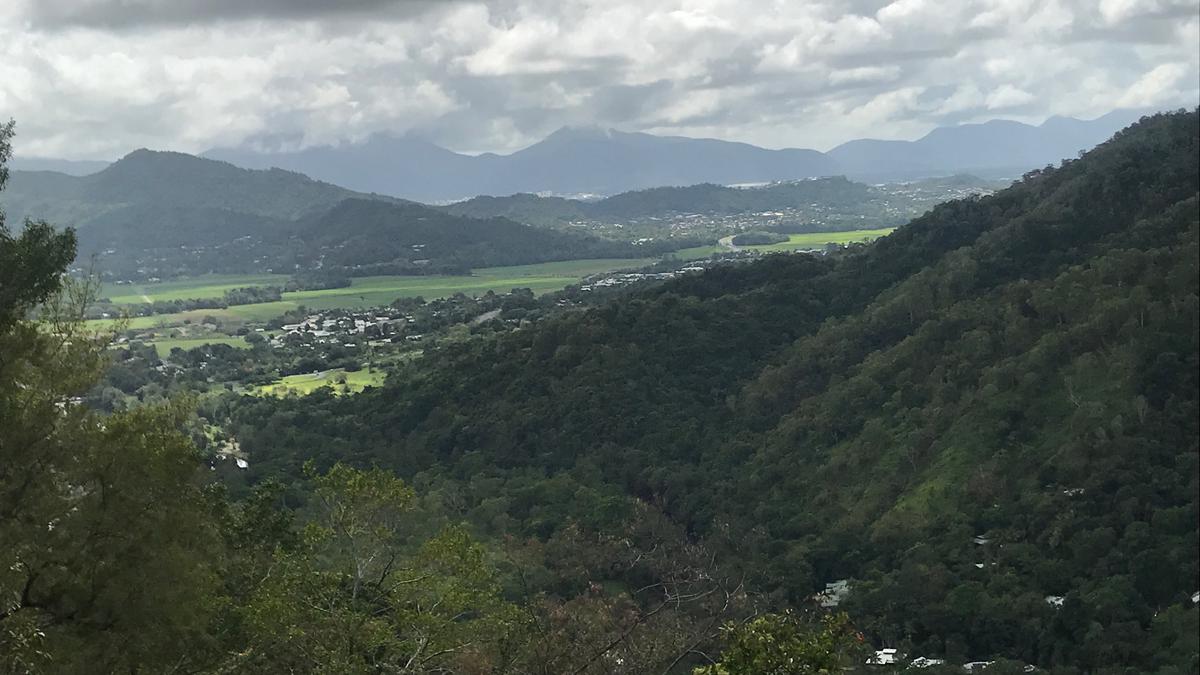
{"x": 133, "y": 13}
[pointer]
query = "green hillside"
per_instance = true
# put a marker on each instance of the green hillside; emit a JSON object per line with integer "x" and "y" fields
{"x": 360, "y": 234}
{"x": 986, "y": 421}
{"x": 167, "y": 215}
{"x": 704, "y": 198}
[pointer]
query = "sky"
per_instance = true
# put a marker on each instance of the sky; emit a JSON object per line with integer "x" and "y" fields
{"x": 94, "y": 79}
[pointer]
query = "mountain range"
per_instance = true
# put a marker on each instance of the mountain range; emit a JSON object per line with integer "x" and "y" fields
{"x": 590, "y": 160}
{"x": 168, "y": 213}
{"x": 595, "y": 161}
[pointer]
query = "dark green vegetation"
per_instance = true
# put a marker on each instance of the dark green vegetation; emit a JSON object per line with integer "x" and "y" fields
{"x": 166, "y": 215}
{"x": 372, "y": 237}
{"x": 987, "y": 412}
{"x": 758, "y": 238}
{"x": 1021, "y": 368}
{"x": 159, "y": 214}
{"x": 122, "y": 553}
{"x": 704, "y": 198}
{"x": 709, "y": 211}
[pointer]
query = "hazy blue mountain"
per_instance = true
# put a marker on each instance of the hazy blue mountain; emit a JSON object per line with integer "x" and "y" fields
{"x": 591, "y": 160}
{"x": 571, "y": 161}
{"x": 403, "y": 167}
{"x": 71, "y": 167}
{"x": 998, "y": 146}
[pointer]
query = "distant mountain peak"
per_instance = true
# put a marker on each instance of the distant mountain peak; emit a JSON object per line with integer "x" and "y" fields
{"x": 591, "y": 159}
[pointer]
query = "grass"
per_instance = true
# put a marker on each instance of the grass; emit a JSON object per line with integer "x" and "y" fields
{"x": 164, "y": 345}
{"x": 306, "y": 384}
{"x": 795, "y": 242}
{"x": 204, "y": 287}
{"x": 364, "y": 291}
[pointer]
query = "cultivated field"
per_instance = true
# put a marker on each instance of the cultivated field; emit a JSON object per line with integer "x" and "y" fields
{"x": 309, "y": 382}
{"x": 205, "y": 287}
{"x": 795, "y": 242}
{"x": 364, "y": 291}
{"x": 164, "y": 345}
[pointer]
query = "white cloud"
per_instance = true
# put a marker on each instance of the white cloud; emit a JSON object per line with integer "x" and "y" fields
{"x": 1008, "y": 96}
{"x": 1158, "y": 87}
{"x": 88, "y": 80}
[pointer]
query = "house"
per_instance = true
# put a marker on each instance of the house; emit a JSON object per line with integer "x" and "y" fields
{"x": 1055, "y": 601}
{"x": 834, "y": 593}
{"x": 922, "y": 662}
{"x": 884, "y": 657}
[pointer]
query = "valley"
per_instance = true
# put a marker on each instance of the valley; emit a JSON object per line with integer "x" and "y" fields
{"x": 947, "y": 425}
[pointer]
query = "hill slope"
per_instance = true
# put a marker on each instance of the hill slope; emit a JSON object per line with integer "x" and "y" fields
{"x": 706, "y": 198}
{"x": 165, "y": 214}
{"x": 399, "y": 238}
{"x": 167, "y": 179}
{"x": 993, "y": 406}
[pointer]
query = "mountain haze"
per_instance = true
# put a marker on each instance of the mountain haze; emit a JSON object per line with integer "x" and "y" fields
{"x": 996, "y": 147}
{"x": 590, "y": 160}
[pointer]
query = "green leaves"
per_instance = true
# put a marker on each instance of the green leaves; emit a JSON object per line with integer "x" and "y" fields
{"x": 362, "y": 594}
{"x": 786, "y": 644}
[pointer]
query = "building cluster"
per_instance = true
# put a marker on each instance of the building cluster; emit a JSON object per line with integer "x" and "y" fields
{"x": 377, "y": 324}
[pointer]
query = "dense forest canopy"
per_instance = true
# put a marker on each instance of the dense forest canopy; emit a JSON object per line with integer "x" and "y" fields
{"x": 993, "y": 406}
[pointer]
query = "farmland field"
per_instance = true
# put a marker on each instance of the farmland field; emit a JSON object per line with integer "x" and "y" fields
{"x": 363, "y": 292}
{"x": 309, "y": 382}
{"x": 164, "y": 345}
{"x": 794, "y": 242}
{"x": 205, "y": 287}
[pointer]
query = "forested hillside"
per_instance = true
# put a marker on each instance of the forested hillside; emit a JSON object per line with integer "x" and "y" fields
{"x": 986, "y": 421}
{"x": 161, "y": 214}
{"x": 167, "y": 179}
{"x": 361, "y": 233}
{"x": 704, "y": 198}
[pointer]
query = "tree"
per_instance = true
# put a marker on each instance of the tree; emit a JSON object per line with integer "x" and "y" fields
{"x": 786, "y": 644}
{"x": 107, "y": 561}
{"x": 361, "y": 595}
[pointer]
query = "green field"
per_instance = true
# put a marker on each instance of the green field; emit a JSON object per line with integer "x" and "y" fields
{"x": 208, "y": 286}
{"x": 363, "y": 292}
{"x": 310, "y": 382}
{"x": 795, "y": 242}
{"x": 382, "y": 290}
{"x": 164, "y": 345}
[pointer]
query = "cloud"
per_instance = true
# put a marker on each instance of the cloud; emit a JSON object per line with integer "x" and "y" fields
{"x": 1160, "y": 86}
{"x": 97, "y": 78}
{"x": 134, "y": 13}
{"x": 1008, "y": 96}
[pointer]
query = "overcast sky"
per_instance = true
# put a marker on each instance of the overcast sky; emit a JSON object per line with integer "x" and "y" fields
{"x": 98, "y": 78}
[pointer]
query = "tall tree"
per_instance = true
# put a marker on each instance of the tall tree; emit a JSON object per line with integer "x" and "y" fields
{"x": 106, "y": 560}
